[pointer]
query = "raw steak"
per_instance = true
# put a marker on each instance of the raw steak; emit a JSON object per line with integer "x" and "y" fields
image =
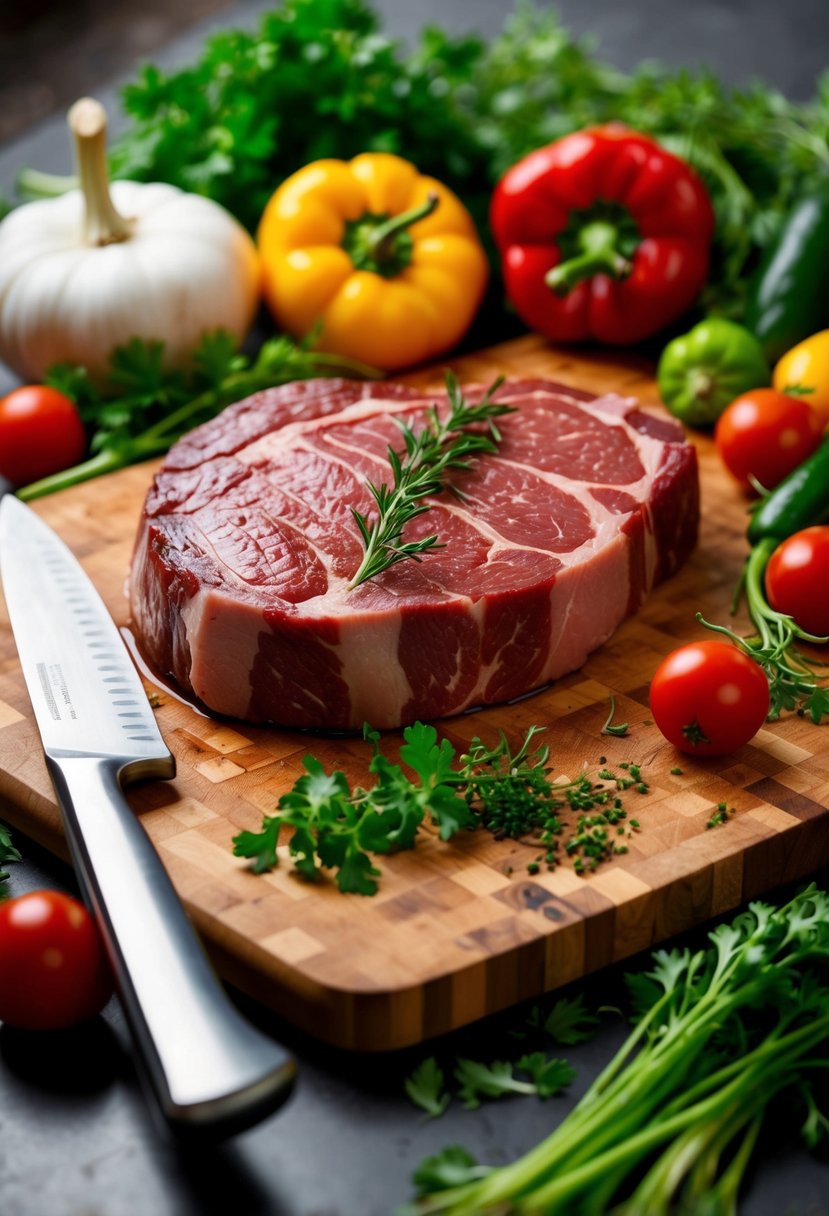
{"x": 240, "y": 577}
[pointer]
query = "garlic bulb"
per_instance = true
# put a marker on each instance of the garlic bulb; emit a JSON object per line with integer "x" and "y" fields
{"x": 88, "y": 271}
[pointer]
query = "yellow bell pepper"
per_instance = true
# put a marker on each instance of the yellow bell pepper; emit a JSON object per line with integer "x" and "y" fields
{"x": 806, "y": 366}
{"x": 386, "y": 261}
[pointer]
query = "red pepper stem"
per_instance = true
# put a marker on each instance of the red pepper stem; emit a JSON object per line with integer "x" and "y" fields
{"x": 599, "y": 256}
{"x": 399, "y": 223}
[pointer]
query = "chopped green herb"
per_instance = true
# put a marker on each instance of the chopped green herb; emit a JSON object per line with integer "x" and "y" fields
{"x": 720, "y": 815}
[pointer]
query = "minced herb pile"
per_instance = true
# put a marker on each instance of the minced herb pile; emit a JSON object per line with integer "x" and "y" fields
{"x": 510, "y": 793}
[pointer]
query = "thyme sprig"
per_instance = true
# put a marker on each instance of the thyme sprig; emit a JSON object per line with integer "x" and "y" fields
{"x": 441, "y": 445}
{"x": 796, "y": 681}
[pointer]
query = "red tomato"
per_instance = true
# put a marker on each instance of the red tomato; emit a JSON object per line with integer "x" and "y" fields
{"x": 40, "y": 433}
{"x": 709, "y": 698}
{"x": 797, "y": 579}
{"x": 53, "y": 971}
{"x": 766, "y": 434}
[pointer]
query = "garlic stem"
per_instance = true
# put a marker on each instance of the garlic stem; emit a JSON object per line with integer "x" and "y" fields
{"x": 103, "y": 225}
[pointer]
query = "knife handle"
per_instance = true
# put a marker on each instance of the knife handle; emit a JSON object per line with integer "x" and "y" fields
{"x": 206, "y": 1065}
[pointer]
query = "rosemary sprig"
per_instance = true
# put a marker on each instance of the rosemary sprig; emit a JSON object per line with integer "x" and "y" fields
{"x": 795, "y": 680}
{"x": 441, "y": 445}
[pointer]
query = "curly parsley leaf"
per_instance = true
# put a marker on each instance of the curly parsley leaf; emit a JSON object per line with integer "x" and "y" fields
{"x": 452, "y": 1167}
{"x": 568, "y": 1021}
{"x": 548, "y": 1076}
{"x": 260, "y": 847}
{"x": 338, "y": 828}
{"x": 425, "y": 1087}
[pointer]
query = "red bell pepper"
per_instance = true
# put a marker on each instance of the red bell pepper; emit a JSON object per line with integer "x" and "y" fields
{"x": 603, "y": 235}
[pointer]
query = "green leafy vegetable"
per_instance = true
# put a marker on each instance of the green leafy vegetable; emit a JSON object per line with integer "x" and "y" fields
{"x": 568, "y": 1022}
{"x": 442, "y": 444}
{"x": 144, "y": 406}
{"x": 452, "y": 1167}
{"x": 548, "y": 1076}
{"x": 511, "y": 794}
{"x": 7, "y": 853}
{"x": 318, "y": 78}
{"x": 671, "y": 1122}
{"x": 425, "y": 1088}
{"x": 335, "y": 827}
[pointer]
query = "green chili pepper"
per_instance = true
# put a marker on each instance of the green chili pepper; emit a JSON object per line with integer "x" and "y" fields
{"x": 787, "y": 299}
{"x": 801, "y": 499}
{"x": 701, "y": 372}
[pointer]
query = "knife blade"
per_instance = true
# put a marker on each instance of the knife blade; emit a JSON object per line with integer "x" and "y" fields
{"x": 207, "y": 1067}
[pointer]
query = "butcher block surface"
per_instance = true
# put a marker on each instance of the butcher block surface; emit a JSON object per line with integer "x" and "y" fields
{"x": 457, "y": 930}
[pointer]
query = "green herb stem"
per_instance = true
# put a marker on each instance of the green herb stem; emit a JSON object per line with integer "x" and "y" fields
{"x": 795, "y": 681}
{"x": 693, "y": 1079}
{"x": 145, "y": 408}
{"x": 106, "y": 461}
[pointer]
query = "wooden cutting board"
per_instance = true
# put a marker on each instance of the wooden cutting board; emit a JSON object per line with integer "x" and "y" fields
{"x": 457, "y": 930}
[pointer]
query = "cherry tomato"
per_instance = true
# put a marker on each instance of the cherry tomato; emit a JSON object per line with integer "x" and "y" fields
{"x": 40, "y": 433}
{"x": 53, "y": 971}
{"x": 709, "y": 698}
{"x": 766, "y": 434}
{"x": 797, "y": 579}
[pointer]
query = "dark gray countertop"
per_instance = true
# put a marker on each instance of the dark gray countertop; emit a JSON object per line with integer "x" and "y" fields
{"x": 76, "y": 1138}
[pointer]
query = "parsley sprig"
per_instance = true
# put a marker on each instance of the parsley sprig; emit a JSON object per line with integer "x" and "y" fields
{"x": 430, "y": 453}
{"x": 547, "y": 1075}
{"x": 796, "y": 681}
{"x": 336, "y": 827}
{"x": 535, "y": 1073}
{"x": 513, "y": 794}
{"x": 145, "y": 406}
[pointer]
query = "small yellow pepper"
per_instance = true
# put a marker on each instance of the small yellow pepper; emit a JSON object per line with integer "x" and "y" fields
{"x": 806, "y": 367}
{"x": 386, "y": 261}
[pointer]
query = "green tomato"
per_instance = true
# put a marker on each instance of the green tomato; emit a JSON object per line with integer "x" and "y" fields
{"x": 701, "y": 372}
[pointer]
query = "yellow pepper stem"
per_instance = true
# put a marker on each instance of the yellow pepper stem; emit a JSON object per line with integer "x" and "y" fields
{"x": 383, "y": 244}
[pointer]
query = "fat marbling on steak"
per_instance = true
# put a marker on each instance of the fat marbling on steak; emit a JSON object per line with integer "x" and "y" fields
{"x": 240, "y": 582}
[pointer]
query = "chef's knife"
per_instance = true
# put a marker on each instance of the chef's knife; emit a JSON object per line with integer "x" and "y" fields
{"x": 207, "y": 1066}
